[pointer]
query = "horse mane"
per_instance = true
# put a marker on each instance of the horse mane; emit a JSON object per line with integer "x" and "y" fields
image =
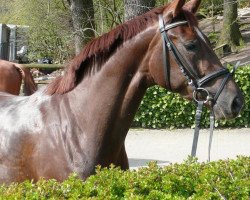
{"x": 100, "y": 49}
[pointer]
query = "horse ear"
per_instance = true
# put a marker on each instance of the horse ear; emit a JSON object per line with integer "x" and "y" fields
{"x": 174, "y": 8}
{"x": 192, "y": 5}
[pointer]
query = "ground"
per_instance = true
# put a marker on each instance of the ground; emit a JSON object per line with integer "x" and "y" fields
{"x": 171, "y": 146}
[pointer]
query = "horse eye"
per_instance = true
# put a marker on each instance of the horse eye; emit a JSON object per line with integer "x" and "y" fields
{"x": 191, "y": 46}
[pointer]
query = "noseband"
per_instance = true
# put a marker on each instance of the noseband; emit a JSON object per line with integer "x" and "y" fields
{"x": 192, "y": 78}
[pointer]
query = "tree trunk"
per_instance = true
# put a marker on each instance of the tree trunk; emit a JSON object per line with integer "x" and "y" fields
{"x": 137, "y": 7}
{"x": 82, "y": 12}
{"x": 230, "y": 35}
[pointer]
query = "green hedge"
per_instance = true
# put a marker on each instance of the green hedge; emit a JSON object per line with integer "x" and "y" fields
{"x": 161, "y": 109}
{"x": 228, "y": 179}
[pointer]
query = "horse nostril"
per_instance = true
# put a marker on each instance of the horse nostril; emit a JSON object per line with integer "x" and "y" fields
{"x": 236, "y": 105}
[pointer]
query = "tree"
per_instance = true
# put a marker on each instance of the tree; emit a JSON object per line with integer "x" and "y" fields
{"x": 82, "y": 13}
{"x": 108, "y": 14}
{"x": 137, "y": 7}
{"x": 230, "y": 34}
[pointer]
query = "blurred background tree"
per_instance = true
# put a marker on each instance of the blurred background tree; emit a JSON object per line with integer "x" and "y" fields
{"x": 230, "y": 36}
{"x": 82, "y": 14}
{"x": 137, "y": 7}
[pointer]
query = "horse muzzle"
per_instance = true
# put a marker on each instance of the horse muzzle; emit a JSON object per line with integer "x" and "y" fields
{"x": 228, "y": 108}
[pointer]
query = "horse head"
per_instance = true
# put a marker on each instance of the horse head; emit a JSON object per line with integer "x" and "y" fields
{"x": 183, "y": 61}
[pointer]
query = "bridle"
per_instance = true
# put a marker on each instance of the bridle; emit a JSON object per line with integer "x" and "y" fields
{"x": 193, "y": 80}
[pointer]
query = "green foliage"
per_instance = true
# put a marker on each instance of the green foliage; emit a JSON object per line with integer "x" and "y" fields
{"x": 108, "y": 14}
{"x": 161, "y": 109}
{"x": 50, "y": 31}
{"x": 51, "y": 36}
{"x": 210, "y": 8}
{"x": 243, "y": 3}
{"x": 228, "y": 179}
{"x": 213, "y": 38}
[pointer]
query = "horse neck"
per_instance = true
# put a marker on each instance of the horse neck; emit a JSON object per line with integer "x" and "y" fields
{"x": 107, "y": 101}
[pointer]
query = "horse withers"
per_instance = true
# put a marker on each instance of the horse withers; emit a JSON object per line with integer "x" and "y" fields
{"x": 81, "y": 119}
{"x": 11, "y": 76}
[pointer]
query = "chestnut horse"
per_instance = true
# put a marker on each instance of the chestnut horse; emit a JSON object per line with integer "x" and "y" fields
{"x": 81, "y": 119}
{"x": 11, "y": 75}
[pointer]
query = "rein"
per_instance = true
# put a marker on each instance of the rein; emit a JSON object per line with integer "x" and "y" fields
{"x": 193, "y": 80}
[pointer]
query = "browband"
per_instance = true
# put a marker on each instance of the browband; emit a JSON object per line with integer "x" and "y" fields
{"x": 167, "y": 27}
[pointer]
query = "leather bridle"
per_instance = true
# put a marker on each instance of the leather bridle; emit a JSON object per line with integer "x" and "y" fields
{"x": 192, "y": 78}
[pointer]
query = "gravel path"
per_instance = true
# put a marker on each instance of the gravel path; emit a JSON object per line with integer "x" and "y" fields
{"x": 165, "y": 146}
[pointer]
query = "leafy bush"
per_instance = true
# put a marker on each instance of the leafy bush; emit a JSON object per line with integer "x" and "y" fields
{"x": 244, "y": 3}
{"x": 161, "y": 109}
{"x": 229, "y": 179}
{"x": 210, "y": 8}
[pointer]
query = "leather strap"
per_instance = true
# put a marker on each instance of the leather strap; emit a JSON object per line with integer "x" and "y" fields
{"x": 165, "y": 50}
{"x": 212, "y": 121}
{"x": 222, "y": 85}
{"x": 197, "y": 127}
{"x": 181, "y": 62}
{"x": 212, "y": 76}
